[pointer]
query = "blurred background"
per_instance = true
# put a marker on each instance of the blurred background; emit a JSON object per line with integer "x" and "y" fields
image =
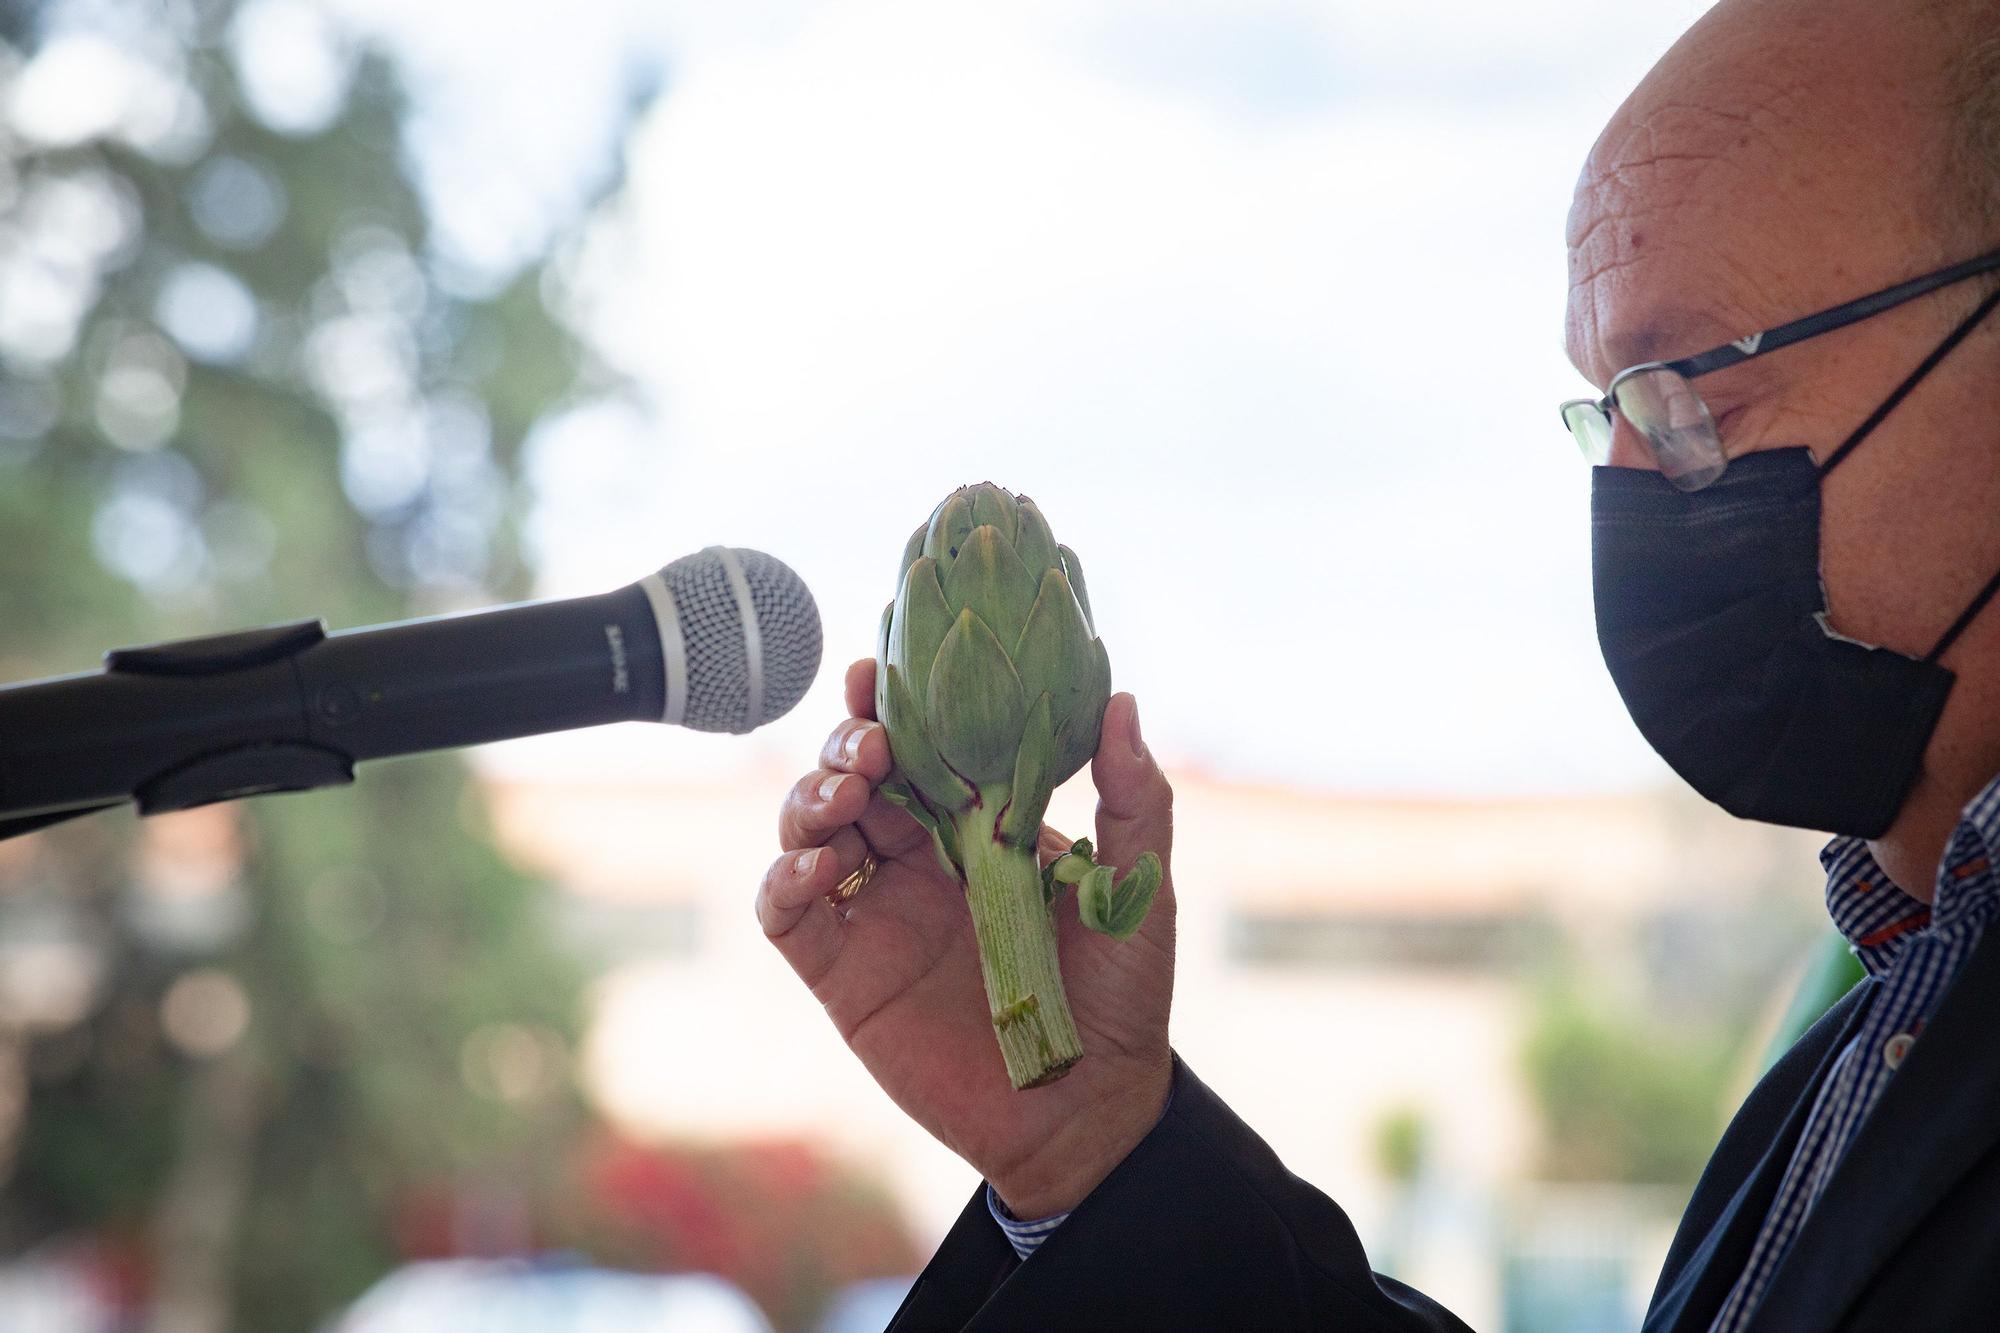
{"x": 366, "y": 309}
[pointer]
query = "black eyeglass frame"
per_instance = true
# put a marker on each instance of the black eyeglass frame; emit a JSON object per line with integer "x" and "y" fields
{"x": 1798, "y": 330}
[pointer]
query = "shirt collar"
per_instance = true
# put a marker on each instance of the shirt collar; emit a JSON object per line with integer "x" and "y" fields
{"x": 1878, "y": 918}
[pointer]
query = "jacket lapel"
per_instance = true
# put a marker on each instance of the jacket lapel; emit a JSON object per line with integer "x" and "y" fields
{"x": 1935, "y": 1119}
{"x": 1690, "y": 1305}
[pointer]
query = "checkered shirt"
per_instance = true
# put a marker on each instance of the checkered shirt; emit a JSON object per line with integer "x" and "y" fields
{"x": 1913, "y": 952}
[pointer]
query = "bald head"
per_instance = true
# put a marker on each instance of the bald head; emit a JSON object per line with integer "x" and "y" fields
{"x": 1786, "y": 156}
{"x": 1797, "y": 140}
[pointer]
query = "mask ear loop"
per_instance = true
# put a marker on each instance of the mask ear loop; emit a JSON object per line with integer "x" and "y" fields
{"x": 1890, "y": 404}
{"x": 1965, "y": 618}
{"x": 1895, "y": 399}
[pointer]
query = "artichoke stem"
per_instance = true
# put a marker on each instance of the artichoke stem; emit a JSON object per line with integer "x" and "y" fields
{"x": 1017, "y": 953}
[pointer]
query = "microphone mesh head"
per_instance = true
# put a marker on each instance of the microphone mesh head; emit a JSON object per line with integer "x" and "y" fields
{"x": 718, "y": 658}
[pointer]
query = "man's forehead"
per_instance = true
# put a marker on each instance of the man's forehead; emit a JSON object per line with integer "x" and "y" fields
{"x": 1679, "y": 188}
{"x": 1747, "y": 180}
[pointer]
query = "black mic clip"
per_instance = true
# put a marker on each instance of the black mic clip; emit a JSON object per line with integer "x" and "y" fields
{"x": 230, "y": 772}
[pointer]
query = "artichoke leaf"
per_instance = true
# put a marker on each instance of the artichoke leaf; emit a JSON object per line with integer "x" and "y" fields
{"x": 911, "y": 550}
{"x": 991, "y": 505}
{"x": 1021, "y": 823}
{"x": 1093, "y": 900}
{"x": 1118, "y": 907}
{"x": 951, "y": 522}
{"x": 915, "y": 752}
{"x": 990, "y": 579}
{"x": 923, "y": 619}
{"x": 1079, "y": 737}
{"x": 1073, "y": 567}
{"x": 904, "y": 797}
{"x": 1075, "y": 863}
{"x": 907, "y": 800}
{"x": 1033, "y": 542}
{"x": 974, "y": 706}
{"x": 947, "y": 831}
{"x": 1055, "y": 653}
{"x": 1066, "y": 869}
{"x": 882, "y": 658}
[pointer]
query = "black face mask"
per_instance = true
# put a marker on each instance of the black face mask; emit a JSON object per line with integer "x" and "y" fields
{"x": 1713, "y": 622}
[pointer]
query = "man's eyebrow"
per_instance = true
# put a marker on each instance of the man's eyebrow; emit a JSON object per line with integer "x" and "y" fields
{"x": 1667, "y": 334}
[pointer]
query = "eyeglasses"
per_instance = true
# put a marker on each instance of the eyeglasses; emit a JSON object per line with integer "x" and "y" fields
{"x": 1659, "y": 398}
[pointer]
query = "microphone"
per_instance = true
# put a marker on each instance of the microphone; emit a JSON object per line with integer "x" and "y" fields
{"x": 721, "y": 640}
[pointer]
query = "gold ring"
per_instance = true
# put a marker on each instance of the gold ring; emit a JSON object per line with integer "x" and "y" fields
{"x": 854, "y": 883}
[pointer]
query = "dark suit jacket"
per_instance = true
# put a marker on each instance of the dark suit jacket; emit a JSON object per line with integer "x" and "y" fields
{"x": 1201, "y": 1227}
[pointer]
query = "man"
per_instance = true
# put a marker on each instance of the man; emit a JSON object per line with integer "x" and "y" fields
{"x": 1784, "y": 159}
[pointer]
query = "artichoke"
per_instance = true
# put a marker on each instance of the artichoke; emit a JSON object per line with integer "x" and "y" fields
{"x": 991, "y": 683}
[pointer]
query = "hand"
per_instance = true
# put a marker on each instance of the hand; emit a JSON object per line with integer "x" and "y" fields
{"x": 897, "y": 967}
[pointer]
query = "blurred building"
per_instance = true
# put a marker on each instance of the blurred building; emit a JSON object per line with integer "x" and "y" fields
{"x": 1345, "y": 963}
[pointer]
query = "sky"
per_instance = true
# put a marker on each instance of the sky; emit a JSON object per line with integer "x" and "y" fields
{"x": 1260, "y": 300}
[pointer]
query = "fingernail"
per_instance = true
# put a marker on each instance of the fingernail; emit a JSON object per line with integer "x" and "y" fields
{"x": 851, "y": 747}
{"x": 829, "y": 786}
{"x": 805, "y": 861}
{"x": 1138, "y": 742}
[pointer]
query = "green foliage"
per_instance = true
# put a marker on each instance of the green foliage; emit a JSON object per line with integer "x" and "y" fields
{"x": 1623, "y": 1096}
{"x": 1832, "y": 969}
{"x": 1402, "y": 1143}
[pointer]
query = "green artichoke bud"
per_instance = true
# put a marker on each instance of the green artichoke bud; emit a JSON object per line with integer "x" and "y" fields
{"x": 991, "y": 683}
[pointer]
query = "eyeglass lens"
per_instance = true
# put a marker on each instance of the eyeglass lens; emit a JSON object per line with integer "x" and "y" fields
{"x": 1671, "y": 415}
{"x": 1591, "y": 429}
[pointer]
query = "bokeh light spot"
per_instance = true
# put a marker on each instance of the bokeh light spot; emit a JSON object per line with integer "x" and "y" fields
{"x": 205, "y": 1012}
{"x": 209, "y": 311}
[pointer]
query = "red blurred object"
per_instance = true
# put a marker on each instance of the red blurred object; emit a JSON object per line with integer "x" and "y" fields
{"x": 119, "y": 1263}
{"x": 422, "y": 1224}
{"x": 779, "y": 1219}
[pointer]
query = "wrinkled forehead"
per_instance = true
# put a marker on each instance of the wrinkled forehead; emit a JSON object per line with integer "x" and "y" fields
{"x": 1780, "y": 158}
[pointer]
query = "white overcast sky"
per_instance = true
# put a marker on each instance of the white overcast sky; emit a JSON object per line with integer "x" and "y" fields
{"x": 1260, "y": 299}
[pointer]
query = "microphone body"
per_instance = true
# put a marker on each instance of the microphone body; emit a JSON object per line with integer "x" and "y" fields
{"x": 494, "y": 675}
{"x": 291, "y": 707}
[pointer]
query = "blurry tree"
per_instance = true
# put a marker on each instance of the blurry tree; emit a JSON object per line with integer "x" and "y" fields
{"x": 238, "y": 385}
{"x": 1625, "y": 1095}
{"x": 1401, "y": 1143}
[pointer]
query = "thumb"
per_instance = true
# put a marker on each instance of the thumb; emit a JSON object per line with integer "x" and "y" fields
{"x": 1135, "y": 805}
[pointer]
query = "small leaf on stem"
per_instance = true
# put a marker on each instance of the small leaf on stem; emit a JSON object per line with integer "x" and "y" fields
{"x": 1119, "y": 909}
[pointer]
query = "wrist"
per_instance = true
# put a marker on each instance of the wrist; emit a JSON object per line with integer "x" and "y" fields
{"x": 1088, "y": 1147}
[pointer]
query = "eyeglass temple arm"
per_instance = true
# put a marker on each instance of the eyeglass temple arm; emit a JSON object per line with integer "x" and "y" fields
{"x": 1756, "y": 344}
